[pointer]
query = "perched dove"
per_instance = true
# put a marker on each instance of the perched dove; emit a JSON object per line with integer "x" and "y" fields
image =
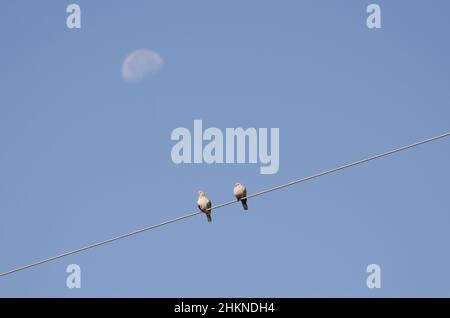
{"x": 240, "y": 192}
{"x": 204, "y": 204}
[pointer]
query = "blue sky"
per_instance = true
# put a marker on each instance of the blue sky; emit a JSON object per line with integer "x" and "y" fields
{"x": 85, "y": 156}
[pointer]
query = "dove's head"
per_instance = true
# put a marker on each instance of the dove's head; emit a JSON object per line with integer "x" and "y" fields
{"x": 237, "y": 184}
{"x": 201, "y": 193}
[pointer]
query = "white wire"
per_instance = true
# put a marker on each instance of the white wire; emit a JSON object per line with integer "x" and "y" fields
{"x": 223, "y": 205}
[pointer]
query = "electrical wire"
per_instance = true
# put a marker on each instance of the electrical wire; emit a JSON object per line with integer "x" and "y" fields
{"x": 282, "y": 186}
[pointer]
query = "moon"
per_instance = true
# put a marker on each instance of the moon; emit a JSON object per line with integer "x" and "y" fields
{"x": 139, "y": 64}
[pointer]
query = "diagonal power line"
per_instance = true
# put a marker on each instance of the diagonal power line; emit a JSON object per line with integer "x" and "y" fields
{"x": 279, "y": 187}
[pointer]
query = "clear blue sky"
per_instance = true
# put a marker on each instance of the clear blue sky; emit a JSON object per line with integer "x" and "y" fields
{"x": 85, "y": 156}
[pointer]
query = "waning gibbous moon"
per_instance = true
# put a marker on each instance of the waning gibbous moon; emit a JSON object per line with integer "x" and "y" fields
{"x": 140, "y": 64}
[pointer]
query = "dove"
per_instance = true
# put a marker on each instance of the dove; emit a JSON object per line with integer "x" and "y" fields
{"x": 240, "y": 192}
{"x": 204, "y": 204}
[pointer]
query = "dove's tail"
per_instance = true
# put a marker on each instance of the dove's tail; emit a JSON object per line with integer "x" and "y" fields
{"x": 208, "y": 216}
{"x": 244, "y": 204}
